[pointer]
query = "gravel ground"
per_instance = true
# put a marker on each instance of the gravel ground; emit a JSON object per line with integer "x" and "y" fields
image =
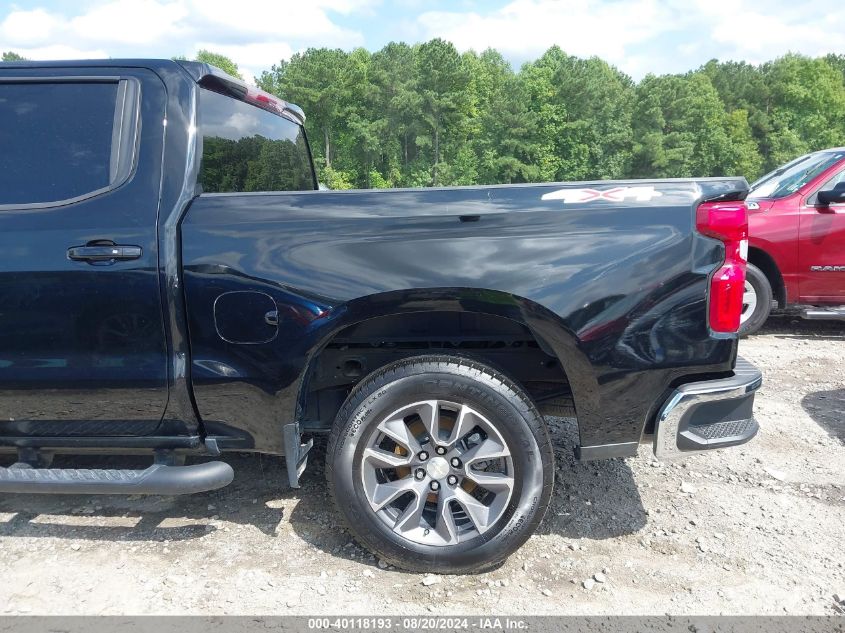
{"x": 751, "y": 530}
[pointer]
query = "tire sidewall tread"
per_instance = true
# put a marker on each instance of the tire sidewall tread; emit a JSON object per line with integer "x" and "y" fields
{"x": 361, "y": 411}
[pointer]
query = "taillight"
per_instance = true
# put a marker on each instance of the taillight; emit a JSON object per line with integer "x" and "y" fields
{"x": 728, "y": 222}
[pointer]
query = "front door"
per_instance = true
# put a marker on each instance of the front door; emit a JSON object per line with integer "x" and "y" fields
{"x": 82, "y": 344}
{"x": 821, "y": 249}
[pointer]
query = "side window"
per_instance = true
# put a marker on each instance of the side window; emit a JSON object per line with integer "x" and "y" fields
{"x": 829, "y": 184}
{"x": 64, "y": 139}
{"x": 245, "y": 148}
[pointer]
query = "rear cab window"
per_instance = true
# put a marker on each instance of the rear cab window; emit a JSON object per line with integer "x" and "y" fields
{"x": 246, "y": 148}
{"x": 64, "y": 139}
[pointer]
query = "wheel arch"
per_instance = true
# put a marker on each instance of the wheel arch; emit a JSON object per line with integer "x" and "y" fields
{"x": 380, "y": 312}
{"x": 766, "y": 263}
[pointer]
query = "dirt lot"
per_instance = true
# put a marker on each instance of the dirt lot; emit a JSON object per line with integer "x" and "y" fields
{"x": 753, "y": 530}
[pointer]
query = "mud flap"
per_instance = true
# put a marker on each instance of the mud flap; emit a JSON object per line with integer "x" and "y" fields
{"x": 296, "y": 453}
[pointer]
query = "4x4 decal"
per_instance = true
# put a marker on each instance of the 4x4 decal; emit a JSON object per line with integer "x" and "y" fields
{"x": 616, "y": 194}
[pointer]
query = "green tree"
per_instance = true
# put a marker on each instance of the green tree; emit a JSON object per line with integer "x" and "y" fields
{"x": 742, "y": 156}
{"x": 316, "y": 80}
{"x": 837, "y": 62}
{"x": 11, "y": 56}
{"x": 334, "y": 179}
{"x": 501, "y": 130}
{"x": 547, "y": 113}
{"x": 743, "y": 86}
{"x": 808, "y": 106}
{"x": 363, "y": 134}
{"x": 597, "y": 139}
{"x": 221, "y": 61}
{"x": 679, "y": 128}
{"x": 395, "y": 100}
{"x": 426, "y": 115}
{"x": 443, "y": 83}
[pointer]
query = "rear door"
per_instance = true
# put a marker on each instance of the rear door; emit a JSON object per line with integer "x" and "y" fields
{"x": 821, "y": 248}
{"x": 82, "y": 345}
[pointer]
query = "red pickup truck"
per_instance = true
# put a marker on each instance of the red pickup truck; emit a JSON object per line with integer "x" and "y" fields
{"x": 796, "y": 256}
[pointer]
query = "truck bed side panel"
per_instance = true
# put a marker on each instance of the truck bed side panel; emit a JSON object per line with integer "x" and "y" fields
{"x": 616, "y": 288}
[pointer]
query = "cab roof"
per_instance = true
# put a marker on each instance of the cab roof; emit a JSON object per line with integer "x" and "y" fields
{"x": 206, "y": 75}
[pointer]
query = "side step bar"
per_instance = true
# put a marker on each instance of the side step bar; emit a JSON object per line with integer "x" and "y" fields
{"x": 158, "y": 479}
{"x": 824, "y": 313}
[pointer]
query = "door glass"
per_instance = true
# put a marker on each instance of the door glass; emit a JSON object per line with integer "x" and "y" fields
{"x": 56, "y": 140}
{"x": 831, "y": 184}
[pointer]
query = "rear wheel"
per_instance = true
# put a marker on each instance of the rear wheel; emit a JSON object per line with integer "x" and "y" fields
{"x": 440, "y": 464}
{"x": 756, "y": 301}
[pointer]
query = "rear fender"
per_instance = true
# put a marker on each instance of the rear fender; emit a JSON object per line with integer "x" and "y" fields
{"x": 551, "y": 333}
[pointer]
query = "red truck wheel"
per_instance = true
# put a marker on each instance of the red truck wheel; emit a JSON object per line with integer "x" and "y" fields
{"x": 440, "y": 464}
{"x": 756, "y": 301}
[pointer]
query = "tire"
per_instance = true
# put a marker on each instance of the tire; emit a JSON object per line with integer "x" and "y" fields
{"x": 756, "y": 283}
{"x": 466, "y": 526}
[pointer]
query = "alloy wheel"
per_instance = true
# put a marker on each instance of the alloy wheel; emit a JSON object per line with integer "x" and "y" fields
{"x": 437, "y": 472}
{"x": 749, "y": 302}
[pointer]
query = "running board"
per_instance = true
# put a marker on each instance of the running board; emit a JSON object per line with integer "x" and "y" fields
{"x": 824, "y": 313}
{"x": 158, "y": 479}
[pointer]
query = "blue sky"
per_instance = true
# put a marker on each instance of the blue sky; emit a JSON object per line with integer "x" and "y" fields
{"x": 638, "y": 36}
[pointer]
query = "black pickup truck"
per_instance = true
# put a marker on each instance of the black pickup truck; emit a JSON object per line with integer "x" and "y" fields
{"x": 175, "y": 284}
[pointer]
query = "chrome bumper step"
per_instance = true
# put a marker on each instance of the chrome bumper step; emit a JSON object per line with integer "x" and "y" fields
{"x": 708, "y": 414}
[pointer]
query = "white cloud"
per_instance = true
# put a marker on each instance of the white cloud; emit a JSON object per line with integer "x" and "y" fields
{"x": 526, "y": 28}
{"x": 638, "y": 36}
{"x": 261, "y": 18}
{"x": 61, "y": 51}
{"x": 757, "y": 31}
{"x": 147, "y": 22}
{"x": 641, "y": 36}
{"x": 255, "y": 33}
{"x": 29, "y": 28}
{"x": 237, "y": 124}
{"x": 250, "y": 58}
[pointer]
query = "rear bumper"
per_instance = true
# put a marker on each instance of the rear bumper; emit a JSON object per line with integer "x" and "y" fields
{"x": 710, "y": 414}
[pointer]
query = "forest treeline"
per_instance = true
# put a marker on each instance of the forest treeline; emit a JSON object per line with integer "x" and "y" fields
{"x": 428, "y": 115}
{"x": 425, "y": 114}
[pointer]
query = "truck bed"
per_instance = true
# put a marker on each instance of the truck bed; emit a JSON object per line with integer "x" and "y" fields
{"x": 611, "y": 277}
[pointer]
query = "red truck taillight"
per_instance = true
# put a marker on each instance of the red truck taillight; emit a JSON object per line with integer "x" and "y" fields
{"x": 728, "y": 222}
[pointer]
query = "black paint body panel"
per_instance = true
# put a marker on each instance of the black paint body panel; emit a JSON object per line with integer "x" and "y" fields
{"x": 66, "y": 377}
{"x": 82, "y": 345}
{"x": 617, "y": 290}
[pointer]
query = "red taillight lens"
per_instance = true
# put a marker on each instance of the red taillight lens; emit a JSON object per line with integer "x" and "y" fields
{"x": 726, "y": 289}
{"x": 728, "y": 222}
{"x": 723, "y": 220}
